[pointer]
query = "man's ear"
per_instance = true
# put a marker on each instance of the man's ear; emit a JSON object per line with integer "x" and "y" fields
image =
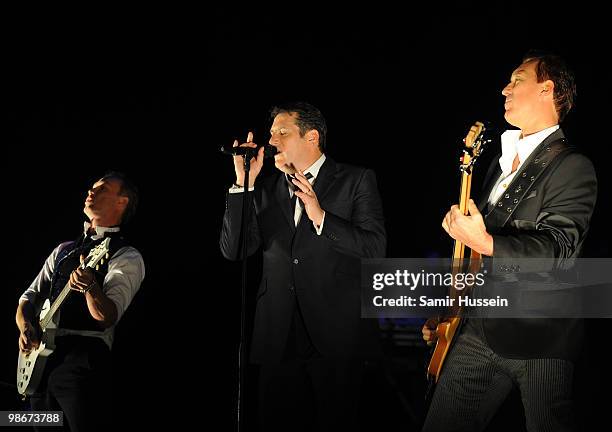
{"x": 313, "y": 136}
{"x": 123, "y": 201}
{"x": 548, "y": 87}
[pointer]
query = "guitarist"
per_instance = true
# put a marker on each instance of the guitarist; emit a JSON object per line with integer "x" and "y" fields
{"x": 75, "y": 378}
{"x": 551, "y": 220}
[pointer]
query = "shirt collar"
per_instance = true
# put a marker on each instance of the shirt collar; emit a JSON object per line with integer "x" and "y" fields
{"x": 312, "y": 169}
{"x": 315, "y": 167}
{"x": 100, "y": 230}
{"x": 512, "y": 144}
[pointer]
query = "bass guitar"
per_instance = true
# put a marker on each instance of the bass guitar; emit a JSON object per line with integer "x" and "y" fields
{"x": 475, "y": 142}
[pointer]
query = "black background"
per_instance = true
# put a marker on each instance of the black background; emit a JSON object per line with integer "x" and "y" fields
{"x": 154, "y": 93}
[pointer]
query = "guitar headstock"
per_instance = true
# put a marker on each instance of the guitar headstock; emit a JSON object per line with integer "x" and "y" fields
{"x": 97, "y": 255}
{"x": 475, "y": 142}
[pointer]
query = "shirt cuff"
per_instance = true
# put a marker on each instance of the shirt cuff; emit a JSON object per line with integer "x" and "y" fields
{"x": 319, "y": 229}
{"x": 238, "y": 189}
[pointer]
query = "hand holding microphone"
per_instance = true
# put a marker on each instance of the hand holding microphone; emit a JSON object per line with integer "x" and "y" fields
{"x": 269, "y": 150}
{"x": 247, "y": 149}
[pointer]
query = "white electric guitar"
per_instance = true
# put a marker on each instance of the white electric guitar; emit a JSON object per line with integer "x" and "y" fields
{"x": 30, "y": 366}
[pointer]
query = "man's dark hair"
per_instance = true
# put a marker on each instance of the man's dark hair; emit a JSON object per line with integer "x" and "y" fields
{"x": 308, "y": 118}
{"x": 552, "y": 67}
{"x": 129, "y": 190}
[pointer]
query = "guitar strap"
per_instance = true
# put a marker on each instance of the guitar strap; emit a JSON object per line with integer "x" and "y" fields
{"x": 523, "y": 182}
{"x": 77, "y": 247}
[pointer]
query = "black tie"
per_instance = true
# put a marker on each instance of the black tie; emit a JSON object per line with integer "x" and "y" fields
{"x": 293, "y": 187}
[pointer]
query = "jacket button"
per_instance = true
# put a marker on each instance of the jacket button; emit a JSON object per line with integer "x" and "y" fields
{"x": 296, "y": 261}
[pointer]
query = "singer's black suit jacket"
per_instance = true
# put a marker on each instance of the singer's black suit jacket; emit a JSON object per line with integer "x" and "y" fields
{"x": 321, "y": 272}
{"x": 551, "y": 221}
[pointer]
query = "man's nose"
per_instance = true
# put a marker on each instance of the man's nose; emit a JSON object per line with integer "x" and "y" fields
{"x": 506, "y": 90}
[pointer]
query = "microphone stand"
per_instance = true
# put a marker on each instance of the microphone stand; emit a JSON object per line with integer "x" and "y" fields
{"x": 247, "y": 153}
{"x": 244, "y": 244}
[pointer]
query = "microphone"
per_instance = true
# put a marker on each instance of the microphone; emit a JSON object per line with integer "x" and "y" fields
{"x": 269, "y": 151}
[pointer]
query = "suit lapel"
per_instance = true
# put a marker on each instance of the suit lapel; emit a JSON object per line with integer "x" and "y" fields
{"x": 322, "y": 185}
{"x": 325, "y": 178}
{"x": 489, "y": 181}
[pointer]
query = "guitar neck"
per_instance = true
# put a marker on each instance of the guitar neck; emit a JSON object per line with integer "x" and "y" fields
{"x": 464, "y": 199}
{"x": 55, "y": 306}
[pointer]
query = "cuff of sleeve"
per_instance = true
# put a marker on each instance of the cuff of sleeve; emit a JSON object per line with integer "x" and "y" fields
{"x": 238, "y": 189}
{"x": 501, "y": 247}
{"x": 319, "y": 229}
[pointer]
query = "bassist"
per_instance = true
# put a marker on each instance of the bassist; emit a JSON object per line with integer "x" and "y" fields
{"x": 491, "y": 356}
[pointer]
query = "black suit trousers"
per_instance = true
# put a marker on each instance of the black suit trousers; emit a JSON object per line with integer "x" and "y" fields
{"x": 318, "y": 394}
{"x": 307, "y": 391}
{"x": 76, "y": 381}
{"x": 475, "y": 382}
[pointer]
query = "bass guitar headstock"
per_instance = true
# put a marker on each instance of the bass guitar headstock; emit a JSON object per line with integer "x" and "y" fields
{"x": 476, "y": 140}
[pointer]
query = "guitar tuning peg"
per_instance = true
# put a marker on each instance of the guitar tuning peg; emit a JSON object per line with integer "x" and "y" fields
{"x": 106, "y": 255}
{"x": 97, "y": 267}
{"x": 102, "y": 261}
